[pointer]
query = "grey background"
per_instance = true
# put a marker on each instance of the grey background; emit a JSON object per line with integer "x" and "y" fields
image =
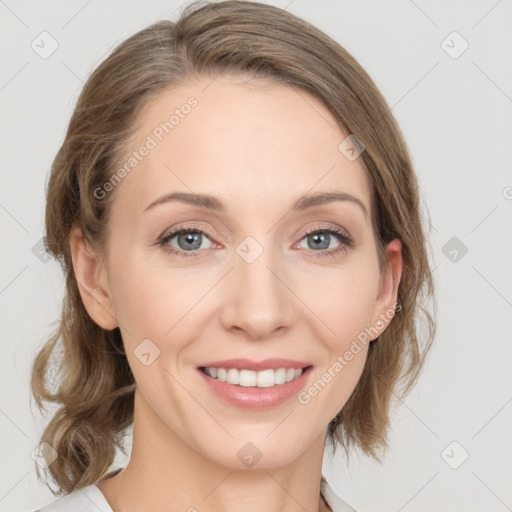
{"x": 456, "y": 117}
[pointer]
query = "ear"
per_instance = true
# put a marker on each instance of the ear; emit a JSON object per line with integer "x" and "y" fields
{"x": 91, "y": 276}
{"x": 385, "y": 303}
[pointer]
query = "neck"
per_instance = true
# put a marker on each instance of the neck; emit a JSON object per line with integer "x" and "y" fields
{"x": 164, "y": 469}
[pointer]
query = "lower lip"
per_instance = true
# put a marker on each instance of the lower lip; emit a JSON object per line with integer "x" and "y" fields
{"x": 254, "y": 397}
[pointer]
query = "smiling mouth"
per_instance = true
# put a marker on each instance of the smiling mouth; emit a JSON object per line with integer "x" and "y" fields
{"x": 255, "y": 379}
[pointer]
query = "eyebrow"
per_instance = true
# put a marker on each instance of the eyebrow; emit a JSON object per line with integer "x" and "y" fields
{"x": 213, "y": 203}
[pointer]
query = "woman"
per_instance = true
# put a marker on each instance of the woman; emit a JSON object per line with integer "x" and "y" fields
{"x": 238, "y": 220}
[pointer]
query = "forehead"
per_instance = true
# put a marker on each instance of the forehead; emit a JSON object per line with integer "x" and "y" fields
{"x": 252, "y": 142}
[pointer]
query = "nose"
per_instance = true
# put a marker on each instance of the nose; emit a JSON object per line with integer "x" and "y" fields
{"x": 256, "y": 297}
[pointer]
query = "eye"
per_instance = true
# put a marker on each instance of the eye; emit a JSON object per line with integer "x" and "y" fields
{"x": 187, "y": 239}
{"x": 322, "y": 237}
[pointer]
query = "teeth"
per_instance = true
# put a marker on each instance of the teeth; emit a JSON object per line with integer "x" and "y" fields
{"x": 249, "y": 378}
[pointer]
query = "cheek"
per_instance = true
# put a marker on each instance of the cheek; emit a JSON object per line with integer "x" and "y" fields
{"x": 351, "y": 310}
{"x": 346, "y": 308}
{"x": 342, "y": 299}
{"x": 154, "y": 302}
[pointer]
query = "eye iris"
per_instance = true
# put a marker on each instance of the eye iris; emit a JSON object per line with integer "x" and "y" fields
{"x": 190, "y": 238}
{"x": 317, "y": 237}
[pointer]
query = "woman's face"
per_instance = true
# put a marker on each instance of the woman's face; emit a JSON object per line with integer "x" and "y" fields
{"x": 248, "y": 281}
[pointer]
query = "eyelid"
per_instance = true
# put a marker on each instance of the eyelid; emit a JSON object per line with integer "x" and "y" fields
{"x": 329, "y": 227}
{"x": 171, "y": 233}
{"x": 183, "y": 227}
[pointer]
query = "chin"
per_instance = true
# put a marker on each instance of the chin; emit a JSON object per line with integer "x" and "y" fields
{"x": 250, "y": 450}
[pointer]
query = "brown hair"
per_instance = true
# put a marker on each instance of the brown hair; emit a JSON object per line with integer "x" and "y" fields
{"x": 95, "y": 385}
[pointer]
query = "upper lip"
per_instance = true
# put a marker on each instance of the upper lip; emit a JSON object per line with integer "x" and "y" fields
{"x": 264, "y": 364}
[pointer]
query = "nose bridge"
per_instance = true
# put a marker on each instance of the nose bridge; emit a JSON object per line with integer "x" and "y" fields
{"x": 257, "y": 300}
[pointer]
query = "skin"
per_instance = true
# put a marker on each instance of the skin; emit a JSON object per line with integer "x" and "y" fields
{"x": 257, "y": 147}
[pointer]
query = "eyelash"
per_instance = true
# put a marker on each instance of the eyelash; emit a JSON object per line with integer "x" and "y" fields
{"x": 345, "y": 241}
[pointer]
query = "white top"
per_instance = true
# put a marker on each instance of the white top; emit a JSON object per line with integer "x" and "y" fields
{"x": 91, "y": 499}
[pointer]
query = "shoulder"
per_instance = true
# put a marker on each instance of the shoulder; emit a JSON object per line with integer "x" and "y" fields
{"x": 333, "y": 500}
{"x": 87, "y": 499}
